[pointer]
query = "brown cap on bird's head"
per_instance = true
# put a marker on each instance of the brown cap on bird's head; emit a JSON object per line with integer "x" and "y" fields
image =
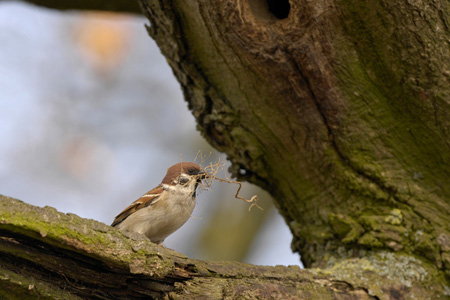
{"x": 176, "y": 170}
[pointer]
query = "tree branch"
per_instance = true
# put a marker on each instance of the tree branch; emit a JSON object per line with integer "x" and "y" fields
{"x": 123, "y": 6}
{"x": 53, "y": 255}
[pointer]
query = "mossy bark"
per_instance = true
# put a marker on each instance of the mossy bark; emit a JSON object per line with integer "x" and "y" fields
{"x": 341, "y": 110}
{"x": 45, "y": 254}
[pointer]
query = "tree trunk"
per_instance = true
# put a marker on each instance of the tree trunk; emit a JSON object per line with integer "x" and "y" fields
{"x": 341, "y": 110}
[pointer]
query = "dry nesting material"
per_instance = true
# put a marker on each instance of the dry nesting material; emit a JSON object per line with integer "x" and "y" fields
{"x": 212, "y": 170}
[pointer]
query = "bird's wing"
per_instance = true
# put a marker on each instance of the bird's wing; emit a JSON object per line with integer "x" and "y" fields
{"x": 149, "y": 198}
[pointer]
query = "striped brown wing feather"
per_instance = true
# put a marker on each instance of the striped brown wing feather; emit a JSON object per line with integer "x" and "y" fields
{"x": 148, "y": 199}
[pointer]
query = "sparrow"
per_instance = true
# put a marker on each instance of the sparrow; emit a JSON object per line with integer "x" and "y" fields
{"x": 164, "y": 209}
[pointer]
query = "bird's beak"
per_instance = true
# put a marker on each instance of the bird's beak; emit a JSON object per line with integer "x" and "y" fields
{"x": 201, "y": 174}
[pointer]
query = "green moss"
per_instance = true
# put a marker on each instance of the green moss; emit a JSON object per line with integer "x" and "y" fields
{"x": 318, "y": 233}
{"x": 348, "y": 229}
{"x": 350, "y": 178}
{"x": 71, "y": 232}
{"x": 395, "y": 218}
{"x": 425, "y": 245}
{"x": 370, "y": 241}
{"x": 385, "y": 231}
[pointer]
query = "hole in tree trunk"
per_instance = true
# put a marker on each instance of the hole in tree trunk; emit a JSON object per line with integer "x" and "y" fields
{"x": 280, "y": 8}
{"x": 270, "y": 10}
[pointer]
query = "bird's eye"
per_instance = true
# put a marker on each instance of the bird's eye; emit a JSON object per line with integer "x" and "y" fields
{"x": 191, "y": 171}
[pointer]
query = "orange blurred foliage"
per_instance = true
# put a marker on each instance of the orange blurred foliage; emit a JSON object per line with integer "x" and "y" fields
{"x": 103, "y": 40}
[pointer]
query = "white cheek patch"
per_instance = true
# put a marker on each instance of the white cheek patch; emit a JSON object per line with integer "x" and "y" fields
{"x": 168, "y": 187}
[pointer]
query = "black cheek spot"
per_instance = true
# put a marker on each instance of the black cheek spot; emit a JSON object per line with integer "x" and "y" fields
{"x": 183, "y": 180}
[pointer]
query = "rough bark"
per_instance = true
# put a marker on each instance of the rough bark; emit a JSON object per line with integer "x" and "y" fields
{"x": 46, "y": 254}
{"x": 341, "y": 110}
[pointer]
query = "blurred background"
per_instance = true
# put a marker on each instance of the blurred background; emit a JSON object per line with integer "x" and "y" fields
{"x": 91, "y": 117}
